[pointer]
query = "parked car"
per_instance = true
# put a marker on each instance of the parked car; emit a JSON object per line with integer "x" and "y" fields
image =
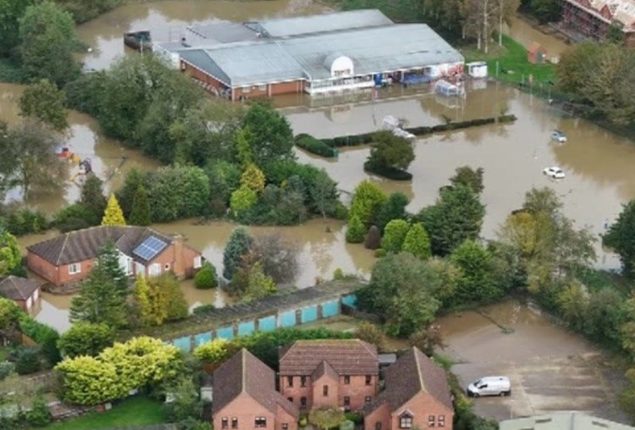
{"x": 554, "y": 172}
{"x": 558, "y": 136}
{"x": 490, "y": 386}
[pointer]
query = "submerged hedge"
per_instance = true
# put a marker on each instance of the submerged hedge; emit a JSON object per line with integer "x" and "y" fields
{"x": 388, "y": 172}
{"x": 315, "y": 146}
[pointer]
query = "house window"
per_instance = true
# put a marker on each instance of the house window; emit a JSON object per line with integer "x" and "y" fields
{"x": 325, "y": 390}
{"x": 303, "y": 381}
{"x": 74, "y": 268}
{"x": 369, "y": 379}
{"x": 290, "y": 381}
{"x": 285, "y": 426}
{"x": 260, "y": 422}
{"x": 378, "y": 425}
{"x": 367, "y": 399}
{"x": 405, "y": 421}
{"x": 166, "y": 267}
{"x": 234, "y": 422}
{"x": 290, "y": 399}
{"x": 347, "y": 401}
{"x": 198, "y": 262}
{"x": 441, "y": 421}
{"x": 347, "y": 380}
{"x": 303, "y": 402}
{"x": 431, "y": 420}
{"x": 224, "y": 423}
{"x": 154, "y": 269}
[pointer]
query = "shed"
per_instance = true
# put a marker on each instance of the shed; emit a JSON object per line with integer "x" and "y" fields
{"x": 25, "y": 292}
{"x": 536, "y": 54}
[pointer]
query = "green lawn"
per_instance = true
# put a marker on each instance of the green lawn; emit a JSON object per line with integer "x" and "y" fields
{"x": 134, "y": 411}
{"x": 512, "y": 62}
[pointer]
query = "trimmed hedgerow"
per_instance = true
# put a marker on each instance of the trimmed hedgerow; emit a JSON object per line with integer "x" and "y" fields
{"x": 314, "y": 146}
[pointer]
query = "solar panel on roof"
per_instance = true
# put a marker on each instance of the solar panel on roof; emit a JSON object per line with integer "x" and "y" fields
{"x": 149, "y": 248}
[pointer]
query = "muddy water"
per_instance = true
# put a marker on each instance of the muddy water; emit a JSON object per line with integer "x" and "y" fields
{"x": 598, "y": 164}
{"x": 521, "y": 31}
{"x": 109, "y": 159}
{"x": 166, "y": 20}
{"x": 319, "y": 252}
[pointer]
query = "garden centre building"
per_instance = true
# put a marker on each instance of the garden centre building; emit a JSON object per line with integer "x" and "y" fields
{"x": 315, "y": 54}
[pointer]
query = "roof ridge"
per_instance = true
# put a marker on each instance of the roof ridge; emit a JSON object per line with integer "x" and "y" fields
{"x": 243, "y": 365}
{"x": 418, "y": 365}
{"x": 59, "y": 256}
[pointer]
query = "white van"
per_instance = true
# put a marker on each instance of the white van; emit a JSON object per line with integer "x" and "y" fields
{"x": 490, "y": 386}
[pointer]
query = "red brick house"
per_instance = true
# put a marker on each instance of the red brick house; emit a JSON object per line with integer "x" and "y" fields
{"x": 592, "y": 18}
{"x": 25, "y": 292}
{"x": 417, "y": 395}
{"x": 329, "y": 373}
{"x": 245, "y": 397}
{"x": 69, "y": 258}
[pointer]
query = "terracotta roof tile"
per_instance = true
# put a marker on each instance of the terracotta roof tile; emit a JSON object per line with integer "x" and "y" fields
{"x": 345, "y": 356}
{"x": 15, "y": 288}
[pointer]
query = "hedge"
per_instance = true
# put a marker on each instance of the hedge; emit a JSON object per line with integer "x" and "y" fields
{"x": 315, "y": 146}
{"x": 388, "y": 172}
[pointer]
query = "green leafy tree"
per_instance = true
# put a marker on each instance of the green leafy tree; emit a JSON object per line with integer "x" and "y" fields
{"x": 259, "y": 285}
{"x": 89, "y": 381}
{"x": 270, "y": 137}
{"x": 355, "y": 231}
{"x": 323, "y": 194}
{"x": 243, "y": 141}
{"x": 140, "y": 214}
{"x": 143, "y": 300}
{"x": 214, "y": 352}
{"x": 12, "y": 11}
{"x": 167, "y": 302}
{"x": 367, "y": 201}
{"x": 278, "y": 257}
{"x": 465, "y": 175}
{"x": 126, "y": 194}
{"x": 573, "y": 304}
{"x": 184, "y": 398}
{"x": 92, "y": 198}
{"x": 394, "y": 235}
{"x": 455, "y": 217}
{"x": 627, "y": 397}
{"x": 401, "y": 292}
{"x": 417, "y": 242}
{"x": 546, "y": 10}
{"x": 253, "y": 178}
{"x": 177, "y": 192}
{"x": 102, "y": 296}
{"x": 477, "y": 283}
{"x": 10, "y": 256}
{"x": 85, "y": 339}
{"x": 238, "y": 245}
{"x": 47, "y": 35}
{"x": 369, "y": 332}
{"x": 45, "y": 102}
{"x": 113, "y": 215}
{"x": 206, "y": 277}
{"x": 390, "y": 151}
{"x": 242, "y": 200}
{"x": 621, "y": 238}
{"x": 393, "y": 208}
{"x": 427, "y": 339}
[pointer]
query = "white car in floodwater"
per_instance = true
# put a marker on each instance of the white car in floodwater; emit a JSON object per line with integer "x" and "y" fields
{"x": 554, "y": 172}
{"x": 558, "y": 136}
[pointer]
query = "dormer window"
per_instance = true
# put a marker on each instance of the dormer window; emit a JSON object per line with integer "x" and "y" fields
{"x": 405, "y": 421}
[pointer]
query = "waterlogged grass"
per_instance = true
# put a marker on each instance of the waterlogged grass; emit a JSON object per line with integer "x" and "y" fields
{"x": 132, "y": 412}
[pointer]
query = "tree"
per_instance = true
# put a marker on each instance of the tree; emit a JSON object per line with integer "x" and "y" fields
{"x": 214, "y": 352}
{"x": 465, "y": 175}
{"x": 393, "y": 208}
{"x": 140, "y": 214}
{"x": 166, "y": 299}
{"x": 242, "y": 200}
{"x": 270, "y": 137}
{"x": 546, "y": 10}
{"x": 401, "y": 292}
{"x": 366, "y": 203}
{"x": 206, "y": 277}
{"x": 89, "y": 381}
{"x": 102, "y": 296}
{"x": 238, "y": 245}
{"x": 615, "y": 33}
{"x": 142, "y": 299}
{"x": 30, "y": 158}
{"x": 323, "y": 192}
{"x": 259, "y": 285}
{"x": 12, "y": 11}
{"x": 48, "y": 39}
{"x": 44, "y": 102}
{"x": 455, "y": 217}
{"x": 394, "y": 235}
{"x": 326, "y": 418}
{"x": 10, "y": 256}
{"x": 373, "y": 238}
{"x": 177, "y": 192}
{"x": 126, "y": 194}
{"x": 355, "y": 231}
{"x": 278, "y": 257}
{"x": 369, "y": 332}
{"x": 477, "y": 282}
{"x": 92, "y": 198}
{"x": 113, "y": 215}
{"x": 621, "y": 238}
{"x": 390, "y": 151}
{"x": 253, "y": 178}
{"x": 184, "y": 398}
{"x": 427, "y": 339}
{"x": 417, "y": 242}
{"x": 85, "y": 339}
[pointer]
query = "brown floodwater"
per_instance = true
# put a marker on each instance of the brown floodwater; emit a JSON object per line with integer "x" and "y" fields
{"x": 521, "y": 31}
{"x": 109, "y": 159}
{"x": 167, "y": 19}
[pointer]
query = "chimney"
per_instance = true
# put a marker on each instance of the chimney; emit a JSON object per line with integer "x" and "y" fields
{"x": 179, "y": 264}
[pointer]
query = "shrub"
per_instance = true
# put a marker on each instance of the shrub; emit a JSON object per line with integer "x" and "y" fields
{"x": 338, "y": 274}
{"x": 314, "y": 146}
{"x": 25, "y": 221}
{"x": 85, "y": 339}
{"x": 394, "y": 235}
{"x": 373, "y": 238}
{"x": 45, "y": 336}
{"x": 372, "y": 334}
{"x": 388, "y": 172}
{"x": 6, "y": 368}
{"x": 74, "y": 217}
{"x": 39, "y": 415}
{"x": 27, "y": 361}
{"x": 206, "y": 277}
{"x": 356, "y": 230}
{"x": 215, "y": 351}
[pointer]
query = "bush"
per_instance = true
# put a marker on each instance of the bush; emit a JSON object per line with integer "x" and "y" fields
{"x": 85, "y": 339}
{"x": 6, "y": 368}
{"x": 39, "y": 415}
{"x": 372, "y": 334}
{"x": 206, "y": 277}
{"x": 75, "y": 217}
{"x": 314, "y": 146}
{"x": 215, "y": 351}
{"x": 45, "y": 336}
{"x": 27, "y": 361}
{"x": 388, "y": 172}
{"x": 356, "y": 230}
{"x": 373, "y": 238}
{"x": 25, "y": 221}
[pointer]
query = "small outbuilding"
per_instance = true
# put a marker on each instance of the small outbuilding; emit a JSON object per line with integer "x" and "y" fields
{"x": 25, "y": 292}
{"x": 536, "y": 54}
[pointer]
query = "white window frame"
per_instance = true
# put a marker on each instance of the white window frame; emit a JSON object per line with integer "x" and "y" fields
{"x": 74, "y": 268}
{"x": 198, "y": 262}
{"x": 154, "y": 269}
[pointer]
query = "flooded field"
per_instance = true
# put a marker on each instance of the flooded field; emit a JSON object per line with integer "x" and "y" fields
{"x": 521, "y": 31}
{"x": 550, "y": 368}
{"x": 597, "y": 163}
{"x": 166, "y": 20}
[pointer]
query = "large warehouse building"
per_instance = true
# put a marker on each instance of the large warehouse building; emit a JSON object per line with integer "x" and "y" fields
{"x": 315, "y": 54}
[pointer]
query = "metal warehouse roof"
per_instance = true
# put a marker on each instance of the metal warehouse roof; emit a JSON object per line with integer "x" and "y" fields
{"x": 380, "y": 49}
{"x": 286, "y": 27}
{"x": 218, "y": 33}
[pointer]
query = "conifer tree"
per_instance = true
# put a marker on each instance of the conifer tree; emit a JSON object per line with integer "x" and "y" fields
{"x": 113, "y": 214}
{"x": 140, "y": 214}
{"x": 142, "y": 299}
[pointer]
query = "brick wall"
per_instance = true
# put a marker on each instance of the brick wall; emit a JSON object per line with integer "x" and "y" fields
{"x": 325, "y": 392}
{"x": 245, "y": 409}
{"x": 423, "y": 406}
{"x": 357, "y": 390}
{"x": 57, "y": 275}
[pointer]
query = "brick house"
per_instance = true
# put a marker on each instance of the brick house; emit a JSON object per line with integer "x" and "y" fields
{"x": 593, "y": 18}
{"x": 329, "y": 373}
{"x": 417, "y": 395}
{"x": 245, "y": 397}
{"x": 69, "y": 258}
{"x": 25, "y": 292}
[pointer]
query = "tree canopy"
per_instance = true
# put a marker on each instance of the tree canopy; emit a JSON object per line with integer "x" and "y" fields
{"x": 44, "y": 102}
{"x": 621, "y": 238}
